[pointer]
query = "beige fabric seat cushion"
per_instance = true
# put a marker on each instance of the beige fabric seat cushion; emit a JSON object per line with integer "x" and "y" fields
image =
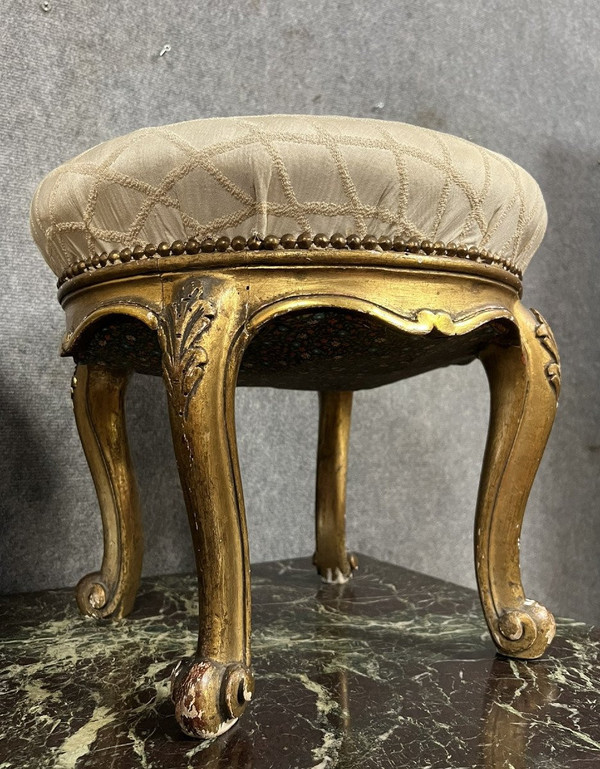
{"x": 278, "y": 174}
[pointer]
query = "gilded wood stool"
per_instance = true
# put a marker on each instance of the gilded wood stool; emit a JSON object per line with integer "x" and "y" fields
{"x": 322, "y": 253}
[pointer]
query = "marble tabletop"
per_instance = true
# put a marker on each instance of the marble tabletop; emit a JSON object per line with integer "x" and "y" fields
{"x": 393, "y": 669}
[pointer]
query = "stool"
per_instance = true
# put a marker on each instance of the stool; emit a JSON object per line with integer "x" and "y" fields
{"x": 322, "y": 253}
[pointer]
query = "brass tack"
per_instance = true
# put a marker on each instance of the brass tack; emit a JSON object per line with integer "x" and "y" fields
{"x": 208, "y": 245}
{"x": 304, "y": 240}
{"x": 270, "y": 242}
{"x": 192, "y": 246}
{"x": 338, "y": 240}
{"x": 288, "y": 241}
{"x": 369, "y": 242}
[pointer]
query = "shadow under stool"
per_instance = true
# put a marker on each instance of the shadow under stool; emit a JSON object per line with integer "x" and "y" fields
{"x": 323, "y": 253}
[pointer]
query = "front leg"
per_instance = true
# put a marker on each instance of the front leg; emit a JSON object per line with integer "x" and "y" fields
{"x": 211, "y": 690}
{"x": 98, "y": 402}
{"x": 524, "y": 385}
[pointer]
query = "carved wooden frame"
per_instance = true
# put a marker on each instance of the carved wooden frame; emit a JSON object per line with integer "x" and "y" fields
{"x": 205, "y": 315}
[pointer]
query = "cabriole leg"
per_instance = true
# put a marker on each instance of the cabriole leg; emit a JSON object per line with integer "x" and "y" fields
{"x": 98, "y": 401}
{"x": 211, "y": 690}
{"x": 524, "y": 385}
{"x": 331, "y": 558}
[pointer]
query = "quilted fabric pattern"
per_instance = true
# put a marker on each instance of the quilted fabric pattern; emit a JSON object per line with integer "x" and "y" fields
{"x": 278, "y": 174}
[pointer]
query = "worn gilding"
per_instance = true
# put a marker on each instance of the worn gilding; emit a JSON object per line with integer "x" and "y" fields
{"x": 205, "y": 321}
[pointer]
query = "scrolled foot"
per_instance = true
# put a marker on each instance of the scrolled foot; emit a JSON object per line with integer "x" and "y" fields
{"x": 93, "y": 596}
{"x": 99, "y": 597}
{"x": 525, "y": 633}
{"x": 336, "y": 574}
{"x": 210, "y": 696}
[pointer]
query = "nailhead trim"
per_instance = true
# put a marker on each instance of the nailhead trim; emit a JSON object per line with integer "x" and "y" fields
{"x": 303, "y": 242}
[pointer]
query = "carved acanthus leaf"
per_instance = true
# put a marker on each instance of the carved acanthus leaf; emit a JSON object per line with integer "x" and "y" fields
{"x": 181, "y": 326}
{"x": 544, "y": 333}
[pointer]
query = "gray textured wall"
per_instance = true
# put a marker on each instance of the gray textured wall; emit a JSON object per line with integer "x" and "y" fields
{"x": 520, "y": 78}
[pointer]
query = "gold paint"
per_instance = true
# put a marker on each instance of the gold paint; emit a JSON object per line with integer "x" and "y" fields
{"x": 523, "y": 407}
{"x": 546, "y": 337}
{"x": 326, "y": 257}
{"x": 180, "y": 330}
{"x": 98, "y": 402}
{"x": 331, "y": 559}
{"x": 206, "y": 307}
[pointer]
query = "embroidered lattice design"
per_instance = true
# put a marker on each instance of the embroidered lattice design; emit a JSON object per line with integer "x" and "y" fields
{"x": 286, "y": 174}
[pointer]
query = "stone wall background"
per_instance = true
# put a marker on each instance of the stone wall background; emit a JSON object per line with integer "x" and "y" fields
{"x": 519, "y": 78}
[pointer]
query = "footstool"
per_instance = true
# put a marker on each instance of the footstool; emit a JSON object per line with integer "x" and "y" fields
{"x": 322, "y": 253}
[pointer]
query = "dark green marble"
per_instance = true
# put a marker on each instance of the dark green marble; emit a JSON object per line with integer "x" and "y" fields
{"x": 394, "y": 669}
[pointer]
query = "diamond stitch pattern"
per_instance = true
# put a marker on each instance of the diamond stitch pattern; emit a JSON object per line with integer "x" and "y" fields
{"x": 275, "y": 174}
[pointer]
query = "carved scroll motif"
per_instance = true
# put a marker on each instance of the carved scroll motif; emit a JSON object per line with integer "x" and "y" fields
{"x": 544, "y": 333}
{"x": 181, "y": 326}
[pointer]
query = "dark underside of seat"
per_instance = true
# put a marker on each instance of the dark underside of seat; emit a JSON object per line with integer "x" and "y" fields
{"x": 328, "y": 349}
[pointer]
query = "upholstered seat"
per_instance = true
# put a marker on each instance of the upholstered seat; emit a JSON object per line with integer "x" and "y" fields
{"x": 323, "y": 253}
{"x": 280, "y": 175}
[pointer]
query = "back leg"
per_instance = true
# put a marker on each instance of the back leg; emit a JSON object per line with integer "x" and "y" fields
{"x": 331, "y": 558}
